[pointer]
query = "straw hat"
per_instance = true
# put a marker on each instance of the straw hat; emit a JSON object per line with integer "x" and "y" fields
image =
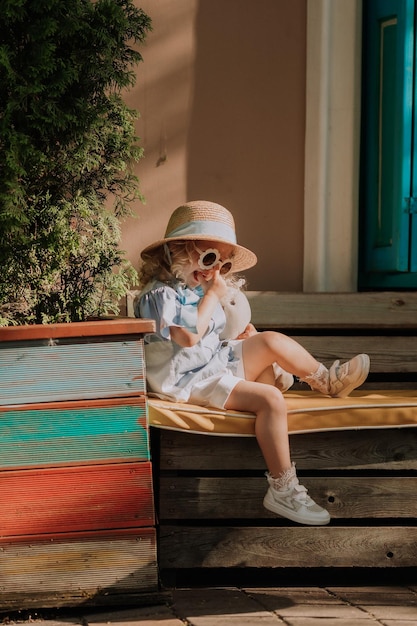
{"x": 202, "y": 220}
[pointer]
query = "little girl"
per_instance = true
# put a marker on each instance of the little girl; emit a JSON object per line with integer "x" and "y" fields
{"x": 183, "y": 277}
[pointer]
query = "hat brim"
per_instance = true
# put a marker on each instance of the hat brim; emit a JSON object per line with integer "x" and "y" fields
{"x": 243, "y": 259}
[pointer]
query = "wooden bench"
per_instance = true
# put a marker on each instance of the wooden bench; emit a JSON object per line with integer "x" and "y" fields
{"x": 210, "y": 489}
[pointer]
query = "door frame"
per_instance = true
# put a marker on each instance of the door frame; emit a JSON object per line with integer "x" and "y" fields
{"x": 332, "y": 145}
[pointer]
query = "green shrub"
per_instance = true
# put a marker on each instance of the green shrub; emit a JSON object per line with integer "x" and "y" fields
{"x": 67, "y": 146}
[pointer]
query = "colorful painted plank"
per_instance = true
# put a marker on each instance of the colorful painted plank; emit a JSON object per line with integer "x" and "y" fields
{"x": 53, "y": 371}
{"x": 57, "y": 500}
{"x": 73, "y": 432}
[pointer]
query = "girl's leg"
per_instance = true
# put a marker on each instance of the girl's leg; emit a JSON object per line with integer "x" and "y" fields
{"x": 276, "y": 376}
{"x": 263, "y": 349}
{"x": 271, "y": 426}
{"x": 268, "y": 347}
{"x": 267, "y": 376}
{"x": 285, "y": 495}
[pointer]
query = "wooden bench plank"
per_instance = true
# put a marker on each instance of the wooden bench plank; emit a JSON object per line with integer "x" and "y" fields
{"x": 352, "y": 497}
{"x": 388, "y": 354}
{"x": 391, "y": 449}
{"x": 295, "y": 546}
{"x": 271, "y": 309}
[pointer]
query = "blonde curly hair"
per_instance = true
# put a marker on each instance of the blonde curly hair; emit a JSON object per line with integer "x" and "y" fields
{"x": 167, "y": 263}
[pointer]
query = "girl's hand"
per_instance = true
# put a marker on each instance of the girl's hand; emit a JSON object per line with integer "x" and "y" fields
{"x": 249, "y": 331}
{"x": 213, "y": 282}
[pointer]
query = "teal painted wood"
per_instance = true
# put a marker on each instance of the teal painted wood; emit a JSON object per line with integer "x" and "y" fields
{"x": 33, "y": 372}
{"x": 413, "y": 214}
{"x": 390, "y": 74}
{"x": 387, "y": 237}
{"x": 38, "y": 438}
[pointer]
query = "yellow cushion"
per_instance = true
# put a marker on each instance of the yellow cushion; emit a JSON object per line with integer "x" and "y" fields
{"x": 307, "y": 412}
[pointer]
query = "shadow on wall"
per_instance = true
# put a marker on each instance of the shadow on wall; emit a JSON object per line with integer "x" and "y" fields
{"x": 163, "y": 97}
{"x": 246, "y": 133}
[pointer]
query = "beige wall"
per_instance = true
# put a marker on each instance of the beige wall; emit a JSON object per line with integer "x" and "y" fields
{"x": 221, "y": 93}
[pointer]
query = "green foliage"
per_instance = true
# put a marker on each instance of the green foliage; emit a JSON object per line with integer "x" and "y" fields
{"x": 67, "y": 146}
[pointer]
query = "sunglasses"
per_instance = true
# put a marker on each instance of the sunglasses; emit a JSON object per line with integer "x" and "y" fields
{"x": 211, "y": 258}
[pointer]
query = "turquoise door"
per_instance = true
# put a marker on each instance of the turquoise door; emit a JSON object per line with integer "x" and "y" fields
{"x": 388, "y": 168}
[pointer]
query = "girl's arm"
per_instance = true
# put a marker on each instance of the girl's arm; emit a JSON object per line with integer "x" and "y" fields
{"x": 185, "y": 338}
{"x": 214, "y": 289}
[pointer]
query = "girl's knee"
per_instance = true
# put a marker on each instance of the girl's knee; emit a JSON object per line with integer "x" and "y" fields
{"x": 271, "y": 338}
{"x": 274, "y": 400}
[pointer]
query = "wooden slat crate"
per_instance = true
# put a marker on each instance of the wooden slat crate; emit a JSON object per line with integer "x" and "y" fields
{"x": 211, "y": 488}
{"x": 77, "y": 522}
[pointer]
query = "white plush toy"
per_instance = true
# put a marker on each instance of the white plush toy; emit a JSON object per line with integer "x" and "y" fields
{"x": 238, "y": 314}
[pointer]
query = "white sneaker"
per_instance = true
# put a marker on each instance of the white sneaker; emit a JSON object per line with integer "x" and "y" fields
{"x": 294, "y": 503}
{"x": 345, "y": 378}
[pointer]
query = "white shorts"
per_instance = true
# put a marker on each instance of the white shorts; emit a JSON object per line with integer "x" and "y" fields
{"x": 215, "y": 390}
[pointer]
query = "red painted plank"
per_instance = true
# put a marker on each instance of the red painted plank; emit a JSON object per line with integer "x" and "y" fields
{"x": 74, "y": 536}
{"x": 59, "y": 500}
{"x": 137, "y": 400}
{"x": 96, "y": 328}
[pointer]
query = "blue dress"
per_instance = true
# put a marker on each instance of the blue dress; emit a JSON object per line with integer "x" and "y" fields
{"x": 205, "y": 373}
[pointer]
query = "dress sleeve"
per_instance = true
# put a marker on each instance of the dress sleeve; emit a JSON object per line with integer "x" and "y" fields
{"x": 168, "y": 308}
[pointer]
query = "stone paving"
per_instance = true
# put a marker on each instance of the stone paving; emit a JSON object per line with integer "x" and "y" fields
{"x": 230, "y": 606}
